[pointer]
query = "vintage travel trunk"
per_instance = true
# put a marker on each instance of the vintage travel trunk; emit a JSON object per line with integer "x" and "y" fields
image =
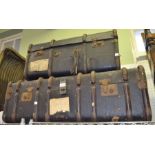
{"x": 149, "y": 40}
{"x": 98, "y": 52}
{"x": 120, "y": 95}
{"x": 11, "y": 69}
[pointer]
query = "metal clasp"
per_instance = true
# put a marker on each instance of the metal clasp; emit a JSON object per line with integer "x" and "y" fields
{"x": 108, "y": 89}
{"x": 62, "y": 87}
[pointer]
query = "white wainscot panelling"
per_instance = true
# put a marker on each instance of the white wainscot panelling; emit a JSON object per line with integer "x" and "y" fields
{"x": 1, "y": 113}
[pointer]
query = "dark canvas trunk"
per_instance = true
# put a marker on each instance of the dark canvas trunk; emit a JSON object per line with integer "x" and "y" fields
{"x": 109, "y": 96}
{"x": 98, "y": 52}
{"x": 11, "y": 69}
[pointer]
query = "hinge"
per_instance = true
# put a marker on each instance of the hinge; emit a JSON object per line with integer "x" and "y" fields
{"x": 96, "y": 43}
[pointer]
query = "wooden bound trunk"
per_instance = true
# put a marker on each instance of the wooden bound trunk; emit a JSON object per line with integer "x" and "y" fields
{"x": 98, "y": 52}
{"x": 120, "y": 95}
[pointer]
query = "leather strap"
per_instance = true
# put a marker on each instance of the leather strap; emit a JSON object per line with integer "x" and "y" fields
{"x": 78, "y": 91}
{"x": 16, "y": 99}
{"x": 35, "y": 117}
{"x": 93, "y": 95}
{"x": 47, "y": 116}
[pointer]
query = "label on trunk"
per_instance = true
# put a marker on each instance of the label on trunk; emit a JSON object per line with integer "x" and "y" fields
{"x": 59, "y": 105}
{"x": 38, "y": 65}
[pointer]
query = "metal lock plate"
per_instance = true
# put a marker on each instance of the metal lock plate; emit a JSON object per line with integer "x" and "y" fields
{"x": 108, "y": 89}
{"x": 27, "y": 96}
{"x": 62, "y": 87}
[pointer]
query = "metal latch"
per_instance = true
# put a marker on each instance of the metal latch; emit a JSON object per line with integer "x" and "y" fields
{"x": 108, "y": 89}
{"x": 62, "y": 87}
{"x": 27, "y": 95}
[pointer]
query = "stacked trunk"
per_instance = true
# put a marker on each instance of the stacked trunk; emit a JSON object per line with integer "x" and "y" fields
{"x": 98, "y": 52}
{"x": 78, "y": 79}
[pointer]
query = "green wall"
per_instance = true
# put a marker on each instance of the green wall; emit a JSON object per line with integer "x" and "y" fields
{"x": 125, "y": 46}
{"x": 8, "y": 33}
{"x": 36, "y": 36}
